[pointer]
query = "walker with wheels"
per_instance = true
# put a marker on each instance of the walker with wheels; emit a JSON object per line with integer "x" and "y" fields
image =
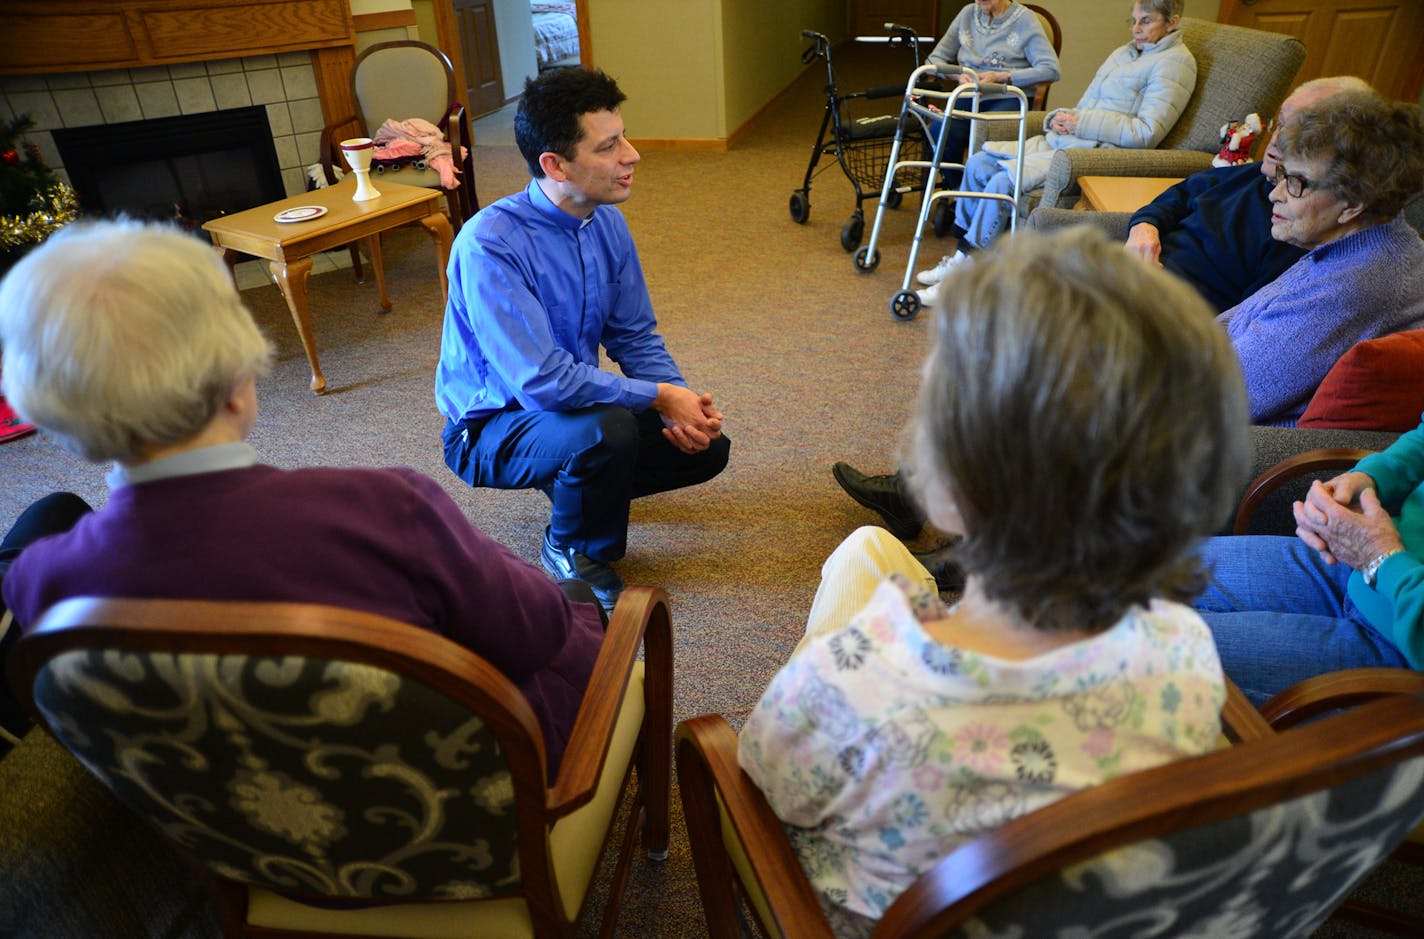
{"x": 860, "y": 145}
{"x": 918, "y": 102}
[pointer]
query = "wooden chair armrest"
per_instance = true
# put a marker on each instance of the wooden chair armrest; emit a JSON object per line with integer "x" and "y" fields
{"x": 641, "y": 619}
{"x": 707, "y": 769}
{"x": 331, "y": 136}
{"x": 1240, "y": 720}
{"x": 1302, "y": 464}
{"x": 1336, "y": 690}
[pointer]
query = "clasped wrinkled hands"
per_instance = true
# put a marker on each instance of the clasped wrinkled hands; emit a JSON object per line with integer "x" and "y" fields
{"x": 1343, "y": 520}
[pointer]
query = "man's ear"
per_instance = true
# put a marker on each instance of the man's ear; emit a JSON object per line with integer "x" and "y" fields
{"x": 1351, "y": 212}
{"x": 553, "y": 166}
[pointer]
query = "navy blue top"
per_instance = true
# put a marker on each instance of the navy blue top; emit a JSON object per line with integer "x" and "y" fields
{"x": 1215, "y": 228}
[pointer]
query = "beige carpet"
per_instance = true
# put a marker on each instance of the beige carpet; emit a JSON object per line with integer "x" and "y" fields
{"x": 799, "y": 350}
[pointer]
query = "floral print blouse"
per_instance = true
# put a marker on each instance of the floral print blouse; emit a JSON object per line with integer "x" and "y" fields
{"x": 883, "y": 750}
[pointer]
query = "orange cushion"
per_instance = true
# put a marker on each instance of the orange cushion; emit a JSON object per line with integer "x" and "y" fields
{"x": 1377, "y": 385}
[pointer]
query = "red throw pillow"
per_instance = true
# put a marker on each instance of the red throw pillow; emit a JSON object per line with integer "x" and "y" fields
{"x": 1377, "y": 385}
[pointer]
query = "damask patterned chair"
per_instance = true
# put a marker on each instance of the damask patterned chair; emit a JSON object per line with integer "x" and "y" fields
{"x": 342, "y": 773}
{"x": 1261, "y": 839}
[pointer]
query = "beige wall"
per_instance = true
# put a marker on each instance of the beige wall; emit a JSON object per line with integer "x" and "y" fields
{"x": 697, "y": 69}
{"x": 761, "y": 43}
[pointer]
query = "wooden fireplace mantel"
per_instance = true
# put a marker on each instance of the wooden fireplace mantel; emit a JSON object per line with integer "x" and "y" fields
{"x": 41, "y": 36}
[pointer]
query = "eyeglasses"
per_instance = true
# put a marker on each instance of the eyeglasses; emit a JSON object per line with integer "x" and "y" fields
{"x": 1295, "y": 185}
{"x": 1150, "y": 19}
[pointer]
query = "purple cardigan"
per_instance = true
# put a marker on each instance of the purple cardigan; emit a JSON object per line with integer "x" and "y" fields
{"x": 386, "y": 541}
{"x": 1290, "y": 332}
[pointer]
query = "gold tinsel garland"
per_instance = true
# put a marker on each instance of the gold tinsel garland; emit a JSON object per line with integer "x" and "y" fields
{"x": 53, "y": 208}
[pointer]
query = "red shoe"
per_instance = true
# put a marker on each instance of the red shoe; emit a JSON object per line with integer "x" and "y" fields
{"x": 11, "y": 427}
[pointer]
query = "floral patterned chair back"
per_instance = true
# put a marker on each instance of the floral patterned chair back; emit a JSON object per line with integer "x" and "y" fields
{"x": 303, "y": 775}
{"x": 1275, "y": 873}
{"x": 319, "y": 775}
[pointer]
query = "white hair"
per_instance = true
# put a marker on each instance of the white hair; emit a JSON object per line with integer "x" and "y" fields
{"x": 120, "y": 335}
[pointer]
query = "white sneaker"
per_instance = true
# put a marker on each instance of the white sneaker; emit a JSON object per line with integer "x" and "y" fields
{"x": 936, "y": 274}
{"x": 929, "y": 296}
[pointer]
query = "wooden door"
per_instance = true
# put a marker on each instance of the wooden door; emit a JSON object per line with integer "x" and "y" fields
{"x": 1382, "y": 41}
{"x": 868, "y": 17}
{"x": 479, "y": 49}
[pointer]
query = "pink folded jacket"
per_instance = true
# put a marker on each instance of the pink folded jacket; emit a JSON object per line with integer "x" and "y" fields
{"x": 416, "y": 136}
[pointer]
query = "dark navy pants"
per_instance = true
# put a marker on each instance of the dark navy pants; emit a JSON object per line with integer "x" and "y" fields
{"x": 591, "y": 463}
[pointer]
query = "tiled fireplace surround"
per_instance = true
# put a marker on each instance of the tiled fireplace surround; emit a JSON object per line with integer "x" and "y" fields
{"x": 285, "y": 83}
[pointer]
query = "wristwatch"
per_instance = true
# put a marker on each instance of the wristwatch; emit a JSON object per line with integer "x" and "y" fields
{"x": 1371, "y": 570}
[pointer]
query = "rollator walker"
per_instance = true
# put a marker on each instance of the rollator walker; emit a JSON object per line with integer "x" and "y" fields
{"x": 860, "y": 144}
{"x": 919, "y": 102}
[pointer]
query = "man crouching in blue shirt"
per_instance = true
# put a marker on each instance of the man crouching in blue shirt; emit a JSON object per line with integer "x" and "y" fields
{"x": 538, "y": 281}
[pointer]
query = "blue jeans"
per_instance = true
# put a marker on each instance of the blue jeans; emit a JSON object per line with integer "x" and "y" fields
{"x": 1280, "y": 614}
{"x": 590, "y": 463}
{"x": 983, "y": 219}
{"x": 957, "y": 139}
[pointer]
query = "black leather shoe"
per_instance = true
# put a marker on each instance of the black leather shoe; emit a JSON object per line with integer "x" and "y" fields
{"x": 883, "y": 495}
{"x": 949, "y": 576}
{"x": 565, "y": 563}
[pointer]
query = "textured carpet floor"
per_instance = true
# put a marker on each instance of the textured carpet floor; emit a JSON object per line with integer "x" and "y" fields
{"x": 799, "y": 350}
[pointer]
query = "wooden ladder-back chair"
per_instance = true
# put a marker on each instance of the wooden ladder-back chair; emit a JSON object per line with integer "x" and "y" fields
{"x": 338, "y": 772}
{"x": 1055, "y": 35}
{"x": 1264, "y": 838}
{"x": 398, "y": 81}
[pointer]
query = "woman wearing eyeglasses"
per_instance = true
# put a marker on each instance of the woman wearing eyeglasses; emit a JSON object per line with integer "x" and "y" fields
{"x": 1349, "y": 164}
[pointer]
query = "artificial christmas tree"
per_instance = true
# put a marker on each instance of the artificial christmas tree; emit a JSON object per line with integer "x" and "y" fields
{"x": 33, "y": 203}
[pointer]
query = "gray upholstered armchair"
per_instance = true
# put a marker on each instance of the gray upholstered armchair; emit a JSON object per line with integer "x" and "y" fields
{"x": 1239, "y": 71}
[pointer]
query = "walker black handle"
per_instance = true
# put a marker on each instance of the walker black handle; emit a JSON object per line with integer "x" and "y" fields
{"x": 886, "y": 91}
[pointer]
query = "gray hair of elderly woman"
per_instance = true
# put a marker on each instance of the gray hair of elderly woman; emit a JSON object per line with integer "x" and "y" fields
{"x": 1168, "y": 8}
{"x": 122, "y": 335}
{"x": 1084, "y": 416}
{"x": 1372, "y": 148}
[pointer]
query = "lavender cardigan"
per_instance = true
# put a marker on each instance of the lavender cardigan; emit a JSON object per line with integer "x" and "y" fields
{"x": 1290, "y": 332}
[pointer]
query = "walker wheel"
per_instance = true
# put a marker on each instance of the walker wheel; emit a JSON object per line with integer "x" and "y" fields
{"x": 905, "y": 305}
{"x": 851, "y": 231}
{"x": 800, "y": 207}
{"x": 865, "y": 262}
{"x": 942, "y": 218}
{"x": 893, "y": 200}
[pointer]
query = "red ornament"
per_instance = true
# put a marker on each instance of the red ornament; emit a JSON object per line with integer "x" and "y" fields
{"x": 10, "y": 158}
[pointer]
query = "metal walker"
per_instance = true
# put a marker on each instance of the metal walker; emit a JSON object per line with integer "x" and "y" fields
{"x": 917, "y": 101}
{"x": 860, "y": 145}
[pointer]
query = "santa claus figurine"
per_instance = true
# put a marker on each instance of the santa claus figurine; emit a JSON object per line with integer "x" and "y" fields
{"x": 1237, "y": 139}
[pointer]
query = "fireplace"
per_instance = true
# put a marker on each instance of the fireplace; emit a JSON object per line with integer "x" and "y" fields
{"x": 188, "y": 168}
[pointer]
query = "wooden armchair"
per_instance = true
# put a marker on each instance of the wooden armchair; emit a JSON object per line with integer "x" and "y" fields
{"x": 341, "y": 773}
{"x": 1197, "y": 847}
{"x": 1326, "y": 694}
{"x": 397, "y": 81}
{"x": 1239, "y": 71}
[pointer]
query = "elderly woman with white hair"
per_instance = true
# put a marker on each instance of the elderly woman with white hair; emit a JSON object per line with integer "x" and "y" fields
{"x": 1133, "y": 101}
{"x": 128, "y": 343}
{"x": 1081, "y": 429}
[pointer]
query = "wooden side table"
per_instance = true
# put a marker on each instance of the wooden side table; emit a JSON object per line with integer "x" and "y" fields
{"x": 289, "y": 246}
{"x": 1123, "y": 193}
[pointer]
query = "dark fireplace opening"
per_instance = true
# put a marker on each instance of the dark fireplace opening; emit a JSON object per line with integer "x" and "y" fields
{"x": 187, "y": 169}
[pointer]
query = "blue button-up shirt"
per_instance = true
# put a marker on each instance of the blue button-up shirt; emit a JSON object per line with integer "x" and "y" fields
{"x": 534, "y": 291}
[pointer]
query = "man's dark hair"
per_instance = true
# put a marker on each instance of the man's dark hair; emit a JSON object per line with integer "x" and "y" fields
{"x": 547, "y": 120}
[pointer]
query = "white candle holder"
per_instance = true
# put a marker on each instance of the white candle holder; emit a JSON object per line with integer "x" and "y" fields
{"x": 358, "y": 152}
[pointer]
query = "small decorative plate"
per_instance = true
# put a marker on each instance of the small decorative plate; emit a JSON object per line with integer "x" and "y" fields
{"x": 302, "y": 213}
